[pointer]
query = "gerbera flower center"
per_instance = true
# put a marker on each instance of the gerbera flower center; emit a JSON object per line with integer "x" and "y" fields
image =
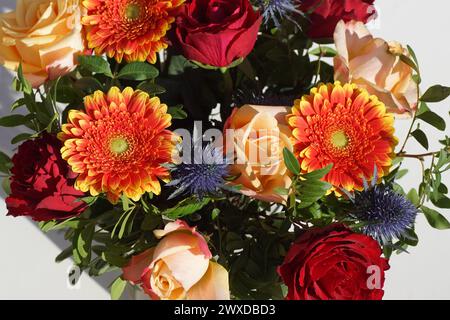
{"x": 132, "y": 11}
{"x": 119, "y": 145}
{"x": 339, "y": 139}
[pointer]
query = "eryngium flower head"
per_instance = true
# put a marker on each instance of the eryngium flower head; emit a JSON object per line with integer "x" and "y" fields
{"x": 276, "y": 10}
{"x": 387, "y": 214}
{"x": 200, "y": 179}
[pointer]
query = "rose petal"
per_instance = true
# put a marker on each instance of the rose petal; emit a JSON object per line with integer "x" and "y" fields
{"x": 213, "y": 286}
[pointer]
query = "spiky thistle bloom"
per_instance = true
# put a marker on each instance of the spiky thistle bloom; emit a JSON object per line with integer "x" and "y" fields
{"x": 119, "y": 145}
{"x": 345, "y": 126}
{"x": 130, "y": 29}
{"x": 276, "y": 10}
{"x": 387, "y": 215}
{"x": 201, "y": 179}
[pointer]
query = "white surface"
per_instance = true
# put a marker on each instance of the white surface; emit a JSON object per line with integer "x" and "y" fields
{"x": 27, "y": 269}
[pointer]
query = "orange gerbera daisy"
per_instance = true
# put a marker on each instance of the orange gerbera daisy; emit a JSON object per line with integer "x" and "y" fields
{"x": 130, "y": 29}
{"x": 346, "y": 127}
{"x": 118, "y": 146}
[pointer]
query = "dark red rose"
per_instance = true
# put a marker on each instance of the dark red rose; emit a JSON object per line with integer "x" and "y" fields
{"x": 217, "y": 32}
{"x": 334, "y": 263}
{"x": 326, "y": 14}
{"x": 42, "y": 184}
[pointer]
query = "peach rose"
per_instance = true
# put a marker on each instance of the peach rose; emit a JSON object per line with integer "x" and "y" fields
{"x": 375, "y": 65}
{"x": 260, "y": 133}
{"x": 43, "y": 35}
{"x": 179, "y": 267}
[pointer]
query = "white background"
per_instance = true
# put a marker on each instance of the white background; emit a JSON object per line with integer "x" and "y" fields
{"x": 27, "y": 268}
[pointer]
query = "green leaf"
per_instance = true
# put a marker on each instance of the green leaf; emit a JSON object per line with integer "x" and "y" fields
{"x": 409, "y": 62}
{"x": 114, "y": 259}
{"x": 323, "y": 52}
{"x": 88, "y": 85}
{"x": 318, "y": 174}
{"x": 82, "y": 243}
{"x": 177, "y": 112}
{"x": 21, "y": 137}
{"x": 310, "y": 188}
{"x": 436, "y": 94}
{"x": 430, "y": 117}
{"x": 410, "y": 238}
{"x": 151, "y": 88}
{"x": 95, "y": 64}
{"x": 5, "y": 163}
{"x": 291, "y": 161}
{"x": 281, "y": 191}
{"x": 413, "y": 196}
{"x": 66, "y": 253}
{"x": 413, "y": 55}
{"x": 15, "y": 120}
{"x": 186, "y": 207}
{"x": 215, "y": 213}
{"x": 421, "y": 137}
{"x": 138, "y": 71}
{"x": 435, "y": 219}
{"x": 441, "y": 202}
{"x": 117, "y": 288}
{"x": 46, "y": 226}
{"x": 124, "y": 224}
{"x": 6, "y": 185}
{"x": 24, "y": 85}
{"x": 18, "y": 103}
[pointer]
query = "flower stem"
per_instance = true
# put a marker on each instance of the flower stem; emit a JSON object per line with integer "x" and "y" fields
{"x": 416, "y": 156}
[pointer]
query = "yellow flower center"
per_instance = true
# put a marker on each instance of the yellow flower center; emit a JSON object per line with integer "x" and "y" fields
{"x": 132, "y": 11}
{"x": 339, "y": 139}
{"x": 118, "y": 145}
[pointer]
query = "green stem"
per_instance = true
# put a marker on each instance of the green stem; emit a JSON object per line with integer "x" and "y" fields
{"x": 417, "y": 156}
{"x": 409, "y": 133}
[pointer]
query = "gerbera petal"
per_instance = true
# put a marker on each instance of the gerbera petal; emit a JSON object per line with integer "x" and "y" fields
{"x": 345, "y": 126}
{"x": 112, "y": 147}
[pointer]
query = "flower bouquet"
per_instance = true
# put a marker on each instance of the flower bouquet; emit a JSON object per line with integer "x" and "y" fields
{"x": 220, "y": 149}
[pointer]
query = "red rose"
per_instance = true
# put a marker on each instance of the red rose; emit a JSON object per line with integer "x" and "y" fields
{"x": 334, "y": 263}
{"x": 42, "y": 182}
{"x": 217, "y": 32}
{"x": 326, "y": 14}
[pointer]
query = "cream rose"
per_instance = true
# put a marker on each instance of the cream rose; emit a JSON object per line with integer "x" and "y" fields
{"x": 375, "y": 65}
{"x": 179, "y": 267}
{"x": 43, "y": 35}
{"x": 257, "y": 138}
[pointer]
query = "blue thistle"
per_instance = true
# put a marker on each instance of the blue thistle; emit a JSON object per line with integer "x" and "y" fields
{"x": 386, "y": 214}
{"x": 200, "y": 179}
{"x": 276, "y": 10}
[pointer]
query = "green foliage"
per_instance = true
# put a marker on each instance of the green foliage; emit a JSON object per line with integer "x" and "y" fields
{"x": 5, "y": 163}
{"x": 151, "y": 88}
{"x": 177, "y": 112}
{"x": 117, "y": 288}
{"x": 310, "y": 188}
{"x": 436, "y": 93}
{"x": 291, "y": 161}
{"x": 95, "y": 64}
{"x": 421, "y": 137}
{"x": 435, "y": 219}
{"x": 430, "y": 117}
{"x": 186, "y": 207}
{"x": 322, "y": 51}
{"x": 138, "y": 71}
